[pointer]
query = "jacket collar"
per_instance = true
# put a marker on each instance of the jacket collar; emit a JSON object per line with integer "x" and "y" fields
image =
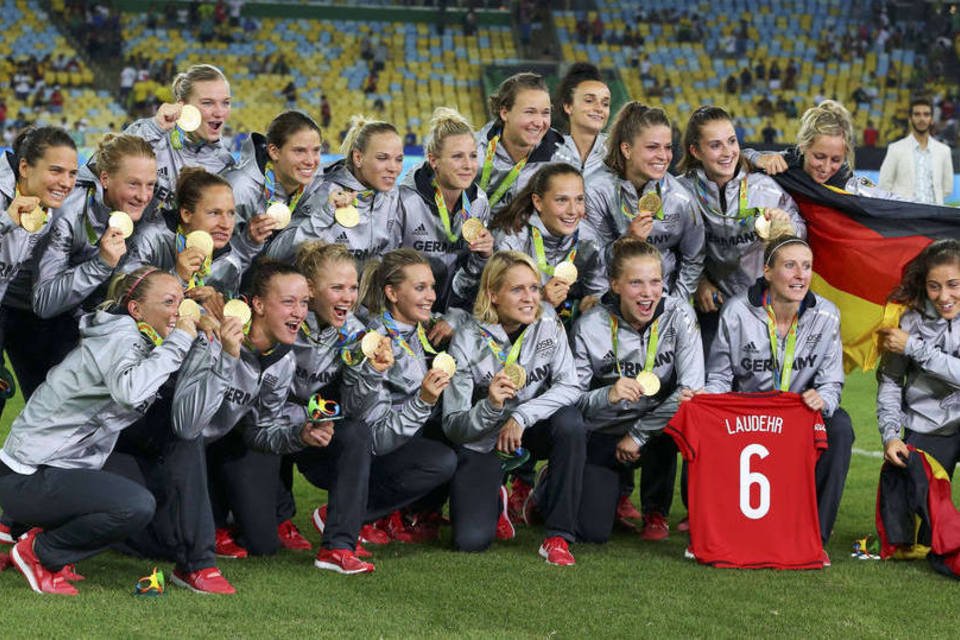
{"x": 423, "y": 182}
{"x": 757, "y": 289}
{"x": 543, "y": 151}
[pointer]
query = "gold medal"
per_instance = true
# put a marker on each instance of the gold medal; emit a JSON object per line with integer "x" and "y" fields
{"x": 650, "y": 382}
{"x": 516, "y": 374}
{"x": 190, "y": 118}
{"x": 762, "y": 226}
{"x": 472, "y": 229}
{"x": 445, "y": 362}
{"x": 370, "y": 343}
{"x": 347, "y": 216}
{"x": 566, "y": 271}
{"x": 237, "y": 309}
{"x": 649, "y": 203}
{"x": 121, "y": 221}
{"x": 190, "y": 309}
{"x": 279, "y": 212}
{"x": 200, "y": 240}
{"x": 34, "y": 220}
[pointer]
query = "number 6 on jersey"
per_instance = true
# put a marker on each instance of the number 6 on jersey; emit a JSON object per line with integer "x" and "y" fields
{"x": 749, "y": 478}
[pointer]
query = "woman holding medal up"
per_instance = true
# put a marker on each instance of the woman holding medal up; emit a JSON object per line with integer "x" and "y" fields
{"x": 202, "y": 249}
{"x": 358, "y": 204}
{"x": 778, "y": 321}
{"x": 519, "y": 139}
{"x": 657, "y": 355}
{"x": 544, "y": 221}
{"x": 88, "y": 240}
{"x": 634, "y": 195}
{"x": 278, "y": 171}
{"x": 739, "y": 210}
{"x": 585, "y": 105}
{"x": 187, "y": 132}
{"x": 443, "y": 214}
{"x": 515, "y": 387}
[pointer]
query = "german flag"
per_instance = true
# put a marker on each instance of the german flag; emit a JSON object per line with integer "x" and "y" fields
{"x": 860, "y": 246}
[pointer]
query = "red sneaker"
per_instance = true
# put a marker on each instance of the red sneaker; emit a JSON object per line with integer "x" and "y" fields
{"x": 342, "y": 561}
{"x": 291, "y": 538}
{"x": 425, "y": 527}
{"x": 655, "y": 527}
{"x": 361, "y": 551}
{"x": 319, "y": 518}
{"x": 69, "y": 573}
{"x": 825, "y": 559}
{"x": 227, "y": 547}
{"x": 394, "y": 526}
{"x": 519, "y": 493}
{"x": 207, "y": 581}
{"x": 684, "y": 525}
{"x": 505, "y": 530}
{"x": 40, "y": 579}
{"x": 556, "y": 551}
{"x": 626, "y": 510}
{"x": 369, "y": 534}
{"x": 5, "y": 536}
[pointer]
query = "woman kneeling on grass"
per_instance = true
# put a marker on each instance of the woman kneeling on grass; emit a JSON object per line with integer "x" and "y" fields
{"x": 515, "y": 387}
{"x": 51, "y": 475}
{"x": 920, "y": 371}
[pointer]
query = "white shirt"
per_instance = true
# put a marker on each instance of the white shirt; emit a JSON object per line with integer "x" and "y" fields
{"x": 923, "y": 174}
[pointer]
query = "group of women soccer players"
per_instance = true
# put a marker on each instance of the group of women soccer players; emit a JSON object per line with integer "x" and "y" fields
{"x": 522, "y": 295}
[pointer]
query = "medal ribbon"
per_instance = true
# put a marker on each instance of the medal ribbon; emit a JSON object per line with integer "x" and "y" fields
{"x": 445, "y": 215}
{"x": 781, "y": 375}
{"x": 270, "y": 188}
{"x": 150, "y": 333}
{"x": 652, "y": 343}
{"x": 743, "y": 212}
{"x": 391, "y": 326}
{"x": 497, "y": 350}
{"x": 630, "y": 216}
{"x": 541, "y": 255}
{"x": 197, "y": 279}
{"x": 507, "y": 181}
{"x": 88, "y": 226}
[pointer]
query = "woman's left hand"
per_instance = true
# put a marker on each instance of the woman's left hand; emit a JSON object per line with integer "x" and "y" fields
{"x": 260, "y": 227}
{"x": 511, "y": 436}
{"x": 483, "y": 245}
{"x": 208, "y": 298}
{"x": 628, "y": 450}
{"x": 893, "y": 339}
{"x": 812, "y": 399}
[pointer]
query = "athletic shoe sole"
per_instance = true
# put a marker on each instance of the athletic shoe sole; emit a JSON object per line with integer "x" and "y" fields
{"x": 330, "y": 566}
{"x": 6, "y": 538}
{"x": 318, "y": 523}
{"x": 24, "y": 567}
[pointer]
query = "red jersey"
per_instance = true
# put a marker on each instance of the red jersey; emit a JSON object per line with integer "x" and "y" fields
{"x": 752, "y": 493}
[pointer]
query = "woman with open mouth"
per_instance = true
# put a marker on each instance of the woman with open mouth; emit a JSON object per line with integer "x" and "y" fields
{"x": 635, "y": 356}
{"x": 730, "y": 201}
{"x": 636, "y": 165}
{"x": 585, "y": 105}
{"x": 358, "y": 204}
{"x": 544, "y": 221}
{"x": 51, "y": 476}
{"x": 780, "y": 336}
{"x": 518, "y": 140}
{"x": 76, "y": 267}
{"x": 281, "y": 166}
{"x": 918, "y": 370}
{"x": 34, "y": 181}
{"x": 204, "y": 87}
{"x": 514, "y": 392}
{"x": 437, "y": 199}
{"x": 205, "y": 203}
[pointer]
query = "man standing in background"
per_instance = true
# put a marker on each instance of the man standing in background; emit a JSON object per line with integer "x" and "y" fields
{"x": 918, "y": 167}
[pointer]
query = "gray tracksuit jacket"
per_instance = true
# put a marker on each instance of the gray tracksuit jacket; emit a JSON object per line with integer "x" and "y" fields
{"x": 215, "y": 392}
{"x": 740, "y": 358}
{"x": 71, "y": 275}
{"x": 468, "y": 416}
{"x": 920, "y": 389}
{"x": 19, "y": 249}
{"x": 679, "y": 236}
{"x": 421, "y": 228}
{"x": 591, "y": 270}
{"x": 215, "y": 158}
{"x": 157, "y": 245}
{"x": 104, "y": 385}
{"x": 678, "y": 364}
{"x": 246, "y": 178}
{"x": 550, "y": 149}
{"x": 375, "y": 235}
{"x": 594, "y": 162}
{"x": 734, "y": 251}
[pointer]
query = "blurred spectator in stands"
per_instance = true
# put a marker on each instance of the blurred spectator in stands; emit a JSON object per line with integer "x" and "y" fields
{"x": 743, "y": 37}
{"x": 280, "y": 67}
{"x": 290, "y": 94}
{"x": 731, "y": 84}
{"x": 645, "y": 67}
{"x": 410, "y": 138}
{"x": 870, "y": 135}
{"x": 183, "y": 16}
{"x": 380, "y": 53}
{"x": 764, "y": 107}
{"x": 727, "y": 45}
{"x": 790, "y": 76}
{"x": 655, "y": 90}
{"x": 790, "y": 109}
{"x": 583, "y": 29}
{"x": 220, "y": 12}
{"x": 55, "y": 101}
{"x": 760, "y": 71}
{"x": 22, "y": 85}
{"x": 667, "y": 90}
{"x": 859, "y": 96}
{"x": 371, "y": 84}
{"x": 3, "y": 113}
{"x": 892, "y": 77}
{"x": 746, "y": 79}
{"x": 325, "y": 112}
{"x": 597, "y": 28}
{"x": 774, "y": 76}
{"x": 366, "y": 49}
{"x": 127, "y": 77}
{"x": 470, "y": 22}
{"x": 769, "y": 133}
{"x": 738, "y": 129}
{"x": 378, "y": 104}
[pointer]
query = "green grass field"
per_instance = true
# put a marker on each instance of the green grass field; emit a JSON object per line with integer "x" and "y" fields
{"x": 627, "y": 588}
